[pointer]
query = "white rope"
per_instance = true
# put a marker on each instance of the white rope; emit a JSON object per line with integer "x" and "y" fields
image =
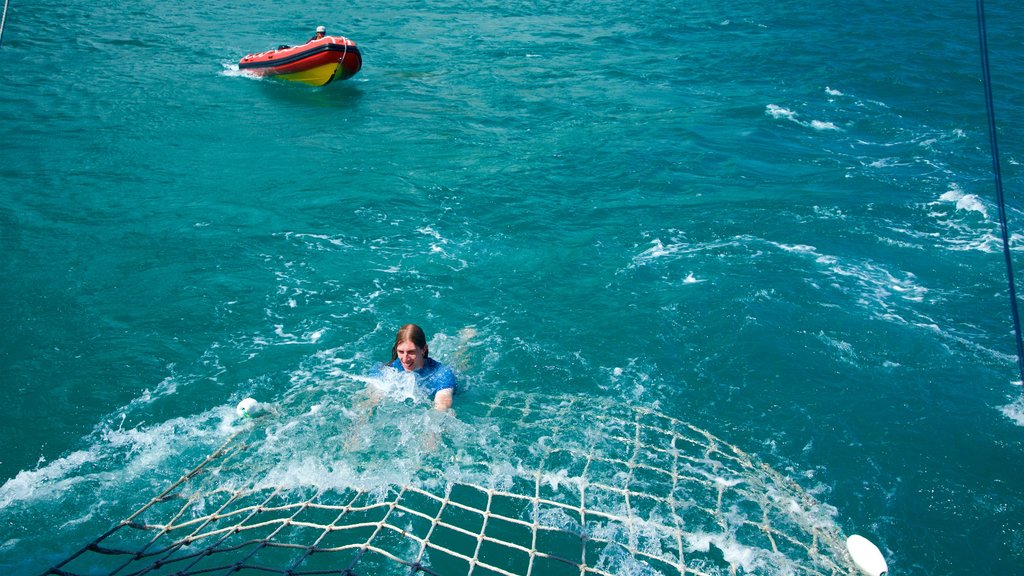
{"x": 3, "y": 20}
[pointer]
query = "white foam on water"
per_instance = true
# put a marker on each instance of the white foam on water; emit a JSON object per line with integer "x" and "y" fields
{"x": 876, "y": 285}
{"x": 736, "y": 554}
{"x": 397, "y": 386}
{"x": 1014, "y": 411}
{"x": 556, "y": 479}
{"x": 49, "y": 481}
{"x": 231, "y": 70}
{"x": 617, "y": 560}
{"x": 845, "y": 349}
{"x": 822, "y": 125}
{"x": 116, "y": 460}
{"x": 9, "y": 544}
{"x": 288, "y": 338}
{"x": 798, "y": 248}
{"x": 558, "y": 518}
{"x": 778, "y": 112}
{"x": 830, "y": 212}
{"x": 165, "y": 388}
{"x": 318, "y": 242}
{"x": 429, "y": 231}
{"x": 887, "y": 295}
{"x": 963, "y": 201}
{"x": 961, "y": 222}
{"x": 677, "y": 248}
{"x": 658, "y": 250}
{"x": 336, "y": 430}
{"x": 887, "y": 163}
{"x": 727, "y": 482}
{"x": 307, "y": 471}
{"x": 443, "y": 247}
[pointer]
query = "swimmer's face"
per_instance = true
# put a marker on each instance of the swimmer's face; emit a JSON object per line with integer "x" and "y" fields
{"x": 410, "y": 356}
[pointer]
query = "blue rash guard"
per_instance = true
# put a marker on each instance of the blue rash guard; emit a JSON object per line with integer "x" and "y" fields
{"x": 432, "y": 378}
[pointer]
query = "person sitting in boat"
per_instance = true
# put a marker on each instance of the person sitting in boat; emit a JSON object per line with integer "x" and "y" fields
{"x": 320, "y": 31}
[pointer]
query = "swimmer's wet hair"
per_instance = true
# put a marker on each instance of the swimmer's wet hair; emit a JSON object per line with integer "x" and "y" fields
{"x": 410, "y": 333}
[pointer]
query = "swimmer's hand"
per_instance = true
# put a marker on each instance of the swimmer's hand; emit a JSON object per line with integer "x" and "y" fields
{"x": 443, "y": 400}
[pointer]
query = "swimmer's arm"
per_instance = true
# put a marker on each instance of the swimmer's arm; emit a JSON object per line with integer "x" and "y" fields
{"x": 364, "y": 408}
{"x": 443, "y": 400}
{"x": 371, "y": 400}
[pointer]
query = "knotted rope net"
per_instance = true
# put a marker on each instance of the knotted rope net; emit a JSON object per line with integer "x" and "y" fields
{"x": 576, "y": 486}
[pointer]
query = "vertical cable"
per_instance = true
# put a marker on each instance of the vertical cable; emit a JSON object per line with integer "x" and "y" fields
{"x": 994, "y": 146}
{"x": 3, "y": 20}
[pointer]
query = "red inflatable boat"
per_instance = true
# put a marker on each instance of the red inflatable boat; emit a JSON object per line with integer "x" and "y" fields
{"x": 317, "y": 62}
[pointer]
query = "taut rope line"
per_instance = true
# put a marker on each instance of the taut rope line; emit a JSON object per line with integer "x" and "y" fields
{"x": 1000, "y": 200}
{"x": 3, "y": 20}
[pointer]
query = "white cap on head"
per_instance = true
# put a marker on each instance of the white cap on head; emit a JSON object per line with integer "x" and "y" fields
{"x": 321, "y": 29}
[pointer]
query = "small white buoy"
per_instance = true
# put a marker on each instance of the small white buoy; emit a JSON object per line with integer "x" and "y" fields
{"x": 866, "y": 556}
{"x": 247, "y": 408}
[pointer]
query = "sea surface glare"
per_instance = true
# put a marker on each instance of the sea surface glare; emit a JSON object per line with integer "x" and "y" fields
{"x": 773, "y": 220}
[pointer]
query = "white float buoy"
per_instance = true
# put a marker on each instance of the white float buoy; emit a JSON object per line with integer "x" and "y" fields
{"x": 247, "y": 408}
{"x": 866, "y": 556}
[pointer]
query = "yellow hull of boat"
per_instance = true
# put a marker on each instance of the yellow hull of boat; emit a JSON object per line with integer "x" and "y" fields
{"x": 317, "y": 76}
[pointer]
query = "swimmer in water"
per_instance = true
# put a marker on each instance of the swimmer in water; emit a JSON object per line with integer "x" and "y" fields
{"x": 411, "y": 354}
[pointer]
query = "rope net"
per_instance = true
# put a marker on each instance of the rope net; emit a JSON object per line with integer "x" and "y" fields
{"x": 584, "y": 488}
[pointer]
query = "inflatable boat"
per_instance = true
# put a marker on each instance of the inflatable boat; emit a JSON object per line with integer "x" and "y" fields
{"x": 317, "y": 62}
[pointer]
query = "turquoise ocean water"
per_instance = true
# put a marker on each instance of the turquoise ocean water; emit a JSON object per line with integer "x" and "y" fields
{"x": 773, "y": 220}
